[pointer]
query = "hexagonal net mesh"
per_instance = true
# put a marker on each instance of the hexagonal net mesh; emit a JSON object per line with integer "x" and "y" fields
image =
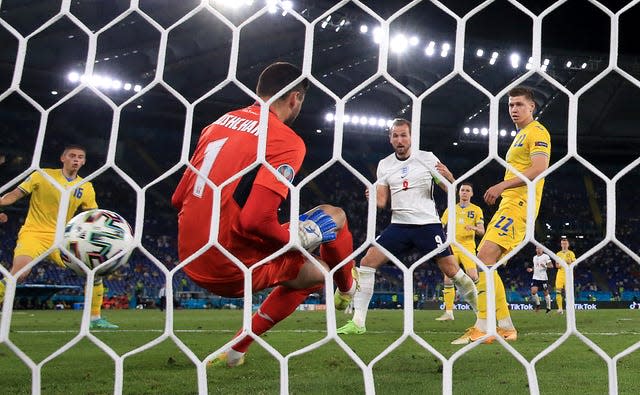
{"x": 135, "y": 10}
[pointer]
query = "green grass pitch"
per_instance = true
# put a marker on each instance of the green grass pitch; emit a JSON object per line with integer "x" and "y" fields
{"x": 573, "y": 368}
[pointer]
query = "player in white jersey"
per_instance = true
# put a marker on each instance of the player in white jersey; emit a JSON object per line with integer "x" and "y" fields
{"x": 541, "y": 262}
{"x": 406, "y": 178}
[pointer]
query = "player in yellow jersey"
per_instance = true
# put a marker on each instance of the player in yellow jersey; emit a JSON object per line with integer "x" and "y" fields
{"x": 469, "y": 224}
{"x": 529, "y": 153}
{"x": 569, "y": 257}
{"x": 38, "y": 232}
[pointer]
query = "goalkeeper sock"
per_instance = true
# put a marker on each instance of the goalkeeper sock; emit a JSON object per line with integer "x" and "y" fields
{"x": 536, "y": 299}
{"x": 334, "y": 252}
{"x": 362, "y": 298}
{"x": 280, "y": 303}
{"x": 96, "y": 299}
{"x": 449, "y": 295}
{"x": 467, "y": 288}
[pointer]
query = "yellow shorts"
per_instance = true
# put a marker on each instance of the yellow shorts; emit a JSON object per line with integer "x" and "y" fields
{"x": 463, "y": 259}
{"x": 34, "y": 244}
{"x": 560, "y": 279}
{"x": 508, "y": 225}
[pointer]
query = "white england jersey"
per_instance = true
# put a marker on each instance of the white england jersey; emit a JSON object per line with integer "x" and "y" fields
{"x": 411, "y": 185}
{"x": 540, "y": 267}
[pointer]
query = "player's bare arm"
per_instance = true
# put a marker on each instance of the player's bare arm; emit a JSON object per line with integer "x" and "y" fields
{"x": 446, "y": 173}
{"x": 382, "y": 195}
{"x": 539, "y": 163}
{"x": 11, "y": 197}
{"x": 479, "y": 229}
{"x": 3, "y": 218}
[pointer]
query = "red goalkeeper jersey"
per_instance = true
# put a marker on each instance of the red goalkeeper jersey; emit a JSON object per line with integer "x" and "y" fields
{"x": 226, "y": 147}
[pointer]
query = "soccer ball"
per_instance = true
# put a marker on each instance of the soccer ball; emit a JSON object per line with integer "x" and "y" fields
{"x": 95, "y": 237}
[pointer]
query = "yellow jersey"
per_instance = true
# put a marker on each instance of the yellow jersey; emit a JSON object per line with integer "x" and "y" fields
{"x": 531, "y": 140}
{"x": 468, "y": 215}
{"x": 45, "y": 199}
{"x": 568, "y": 257}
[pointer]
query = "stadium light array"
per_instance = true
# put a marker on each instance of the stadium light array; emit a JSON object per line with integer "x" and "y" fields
{"x": 103, "y": 82}
{"x": 360, "y": 120}
{"x": 484, "y": 131}
{"x": 480, "y": 52}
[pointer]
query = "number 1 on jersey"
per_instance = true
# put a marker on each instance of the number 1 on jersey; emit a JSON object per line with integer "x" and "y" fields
{"x": 210, "y": 155}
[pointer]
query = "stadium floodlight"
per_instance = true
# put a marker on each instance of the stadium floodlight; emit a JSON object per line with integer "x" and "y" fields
{"x": 355, "y": 119}
{"x": 455, "y": 143}
{"x": 372, "y": 121}
{"x": 503, "y": 132}
{"x": 377, "y": 35}
{"x": 324, "y": 24}
{"x": 318, "y": 131}
{"x": 363, "y": 120}
{"x": 73, "y": 76}
{"x": 346, "y": 118}
{"x": 337, "y": 29}
{"x": 480, "y": 52}
{"x": 568, "y": 64}
{"x": 494, "y": 55}
{"x": 137, "y": 88}
{"x": 389, "y": 123}
{"x": 544, "y": 67}
{"x": 414, "y": 40}
{"x": 399, "y": 43}
{"x": 584, "y": 66}
{"x": 139, "y": 106}
{"x": 127, "y": 86}
{"x": 287, "y": 5}
{"x": 116, "y": 84}
{"x": 329, "y": 117}
{"x": 484, "y": 131}
{"x": 364, "y": 29}
{"x": 515, "y": 60}
{"x": 546, "y": 62}
{"x": 444, "y": 53}
{"x": 343, "y": 21}
{"x": 513, "y": 133}
{"x": 475, "y": 130}
{"x": 381, "y": 122}
{"x": 54, "y": 92}
{"x": 429, "y": 51}
{"x": 492, "y": 61}
{"x": 446, "y": 47}
{"x": 467, "y": 130}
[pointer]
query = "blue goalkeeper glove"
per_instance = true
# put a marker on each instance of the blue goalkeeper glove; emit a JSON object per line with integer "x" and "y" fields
{"x": 316, "y": 229}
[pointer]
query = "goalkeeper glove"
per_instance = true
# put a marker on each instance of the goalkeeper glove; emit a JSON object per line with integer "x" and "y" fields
{"x": 316, "y": 229}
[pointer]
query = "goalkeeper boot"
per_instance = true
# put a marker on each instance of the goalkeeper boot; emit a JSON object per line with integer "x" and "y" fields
{"x": 509, "y": 335}
{"x": 342, "y": 300}
{"x": 101, "y": 323}
{"x": 223, "y": 361}
{"x": 471, "y": 335}
{"x": 350, "y": 328}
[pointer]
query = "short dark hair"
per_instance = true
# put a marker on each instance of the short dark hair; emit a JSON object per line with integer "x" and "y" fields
{"x": 277, "y": 76}
{"x": 522, "y": 91}
{"x": 399, "y": 122}
{"x": 74, "y": 146}
{"x": 469, "y": 183}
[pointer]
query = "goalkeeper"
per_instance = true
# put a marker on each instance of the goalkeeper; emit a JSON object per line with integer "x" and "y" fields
{"x": 248, "y": 226}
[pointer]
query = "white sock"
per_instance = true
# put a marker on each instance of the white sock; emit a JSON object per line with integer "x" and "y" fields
{"x": 547, "y": 299}
{"x": 466, "y": 288}
{"x": 362, "y": 297}
{"x": 506, "y": 323}
{"x": 233, "y": 356}
{"x": 481, "y": 323}
{"x": 536, "y": 298}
